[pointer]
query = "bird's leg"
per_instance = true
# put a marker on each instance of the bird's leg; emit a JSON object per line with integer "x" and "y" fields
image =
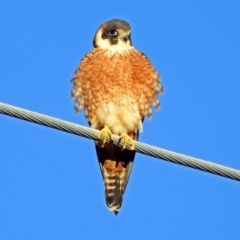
{"x": 103, "y": 134}
{"x": 126, "y": 138}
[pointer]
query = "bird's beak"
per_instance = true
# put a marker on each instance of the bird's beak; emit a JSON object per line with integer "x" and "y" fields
{"x": 124, "y": 37}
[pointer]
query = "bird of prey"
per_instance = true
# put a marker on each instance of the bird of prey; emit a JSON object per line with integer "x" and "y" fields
{"x": 117, "y": 86}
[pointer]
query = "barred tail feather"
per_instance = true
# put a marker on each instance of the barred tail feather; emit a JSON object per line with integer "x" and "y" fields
{"x": 115, "y": 186}
{"x": 113, "y": 192}
{"x": 116, "y": 165}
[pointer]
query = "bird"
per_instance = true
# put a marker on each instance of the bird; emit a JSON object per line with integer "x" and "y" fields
{"x": 117, "y": 86}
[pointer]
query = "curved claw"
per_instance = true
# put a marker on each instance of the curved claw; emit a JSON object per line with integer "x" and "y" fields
{"x": 126, "y": 138}
{"x": 103, "y": 134}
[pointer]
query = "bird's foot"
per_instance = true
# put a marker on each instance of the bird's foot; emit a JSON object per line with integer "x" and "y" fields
{"x": 127, "y": 139}
{"x": 102, "y": 136}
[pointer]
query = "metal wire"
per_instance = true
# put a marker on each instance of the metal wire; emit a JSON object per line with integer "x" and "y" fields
{"x": 139, "y": 147}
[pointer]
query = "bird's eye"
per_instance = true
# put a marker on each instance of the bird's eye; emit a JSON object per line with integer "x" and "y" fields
{"x": 113, "y": 32}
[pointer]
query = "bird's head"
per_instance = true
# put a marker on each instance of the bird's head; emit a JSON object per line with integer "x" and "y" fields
{"x": 113, "y": 33}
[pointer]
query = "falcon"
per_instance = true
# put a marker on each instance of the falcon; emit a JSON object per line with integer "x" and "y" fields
{"x": 117, "y": 87}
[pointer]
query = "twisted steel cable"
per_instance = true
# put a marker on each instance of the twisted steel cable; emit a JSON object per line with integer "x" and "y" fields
{"x": 139, "y": 147}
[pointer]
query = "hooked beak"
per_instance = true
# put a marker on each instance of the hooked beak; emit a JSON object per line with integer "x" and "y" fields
{"x": 124, "y": 37}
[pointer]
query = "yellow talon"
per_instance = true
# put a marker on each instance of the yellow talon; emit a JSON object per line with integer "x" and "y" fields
{"x": 127, "y": 139}
{"x": 103, "y": 134}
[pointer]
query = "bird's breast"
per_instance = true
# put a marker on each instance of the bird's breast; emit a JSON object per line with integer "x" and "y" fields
{"x": 116, "y": 89}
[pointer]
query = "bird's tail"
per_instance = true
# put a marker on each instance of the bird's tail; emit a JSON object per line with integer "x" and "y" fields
{"x": 116, "y": 165}
{"x": 115, "y": 184}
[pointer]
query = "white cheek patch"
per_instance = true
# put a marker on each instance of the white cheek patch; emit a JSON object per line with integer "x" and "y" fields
{"x": 103, "y": 43}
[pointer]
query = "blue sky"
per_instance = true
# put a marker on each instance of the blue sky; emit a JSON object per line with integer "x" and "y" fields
{"x": 50, "y": 183}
